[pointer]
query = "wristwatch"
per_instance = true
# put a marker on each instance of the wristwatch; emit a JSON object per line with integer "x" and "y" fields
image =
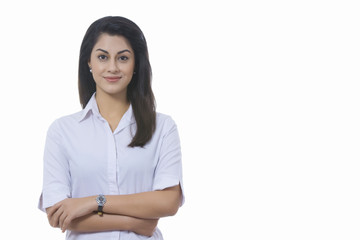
{"x": 101, "y": 200}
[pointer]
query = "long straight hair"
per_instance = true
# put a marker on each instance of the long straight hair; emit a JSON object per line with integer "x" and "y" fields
{"x": 139, "y": 91}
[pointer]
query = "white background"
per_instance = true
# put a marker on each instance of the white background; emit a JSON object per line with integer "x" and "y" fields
{"x": 265, "y": 95}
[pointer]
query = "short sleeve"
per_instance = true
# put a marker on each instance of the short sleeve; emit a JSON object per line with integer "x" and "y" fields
{"x": 168, "y": 171}
{"x": 56, "y": 174}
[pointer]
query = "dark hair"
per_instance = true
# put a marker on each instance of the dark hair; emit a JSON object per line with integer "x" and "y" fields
{"x": 139, "y": 92}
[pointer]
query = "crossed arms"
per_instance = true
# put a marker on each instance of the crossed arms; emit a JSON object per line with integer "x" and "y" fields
{"x": 138, "y": 212}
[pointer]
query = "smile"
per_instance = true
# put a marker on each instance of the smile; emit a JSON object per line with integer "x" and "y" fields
{"x": 112, "y": 79}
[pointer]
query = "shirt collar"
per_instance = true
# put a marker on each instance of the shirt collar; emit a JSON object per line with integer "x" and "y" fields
{"x": 92, "y": 108}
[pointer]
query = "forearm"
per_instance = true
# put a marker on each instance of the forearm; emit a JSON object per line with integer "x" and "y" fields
{"x": 148, "y": 205}
{"x": 95, "y": 223}
{"x": 111, "y": 222}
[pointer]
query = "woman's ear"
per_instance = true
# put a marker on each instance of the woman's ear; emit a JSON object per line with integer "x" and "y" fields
{"x": 89, "y": 66}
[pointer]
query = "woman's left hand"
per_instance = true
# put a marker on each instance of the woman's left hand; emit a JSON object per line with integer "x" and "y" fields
{"x": 62, "y": 213}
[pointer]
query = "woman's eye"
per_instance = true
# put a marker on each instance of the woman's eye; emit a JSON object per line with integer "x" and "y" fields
{"x": 102, "y": 57}
{"x": 123, "y": 58}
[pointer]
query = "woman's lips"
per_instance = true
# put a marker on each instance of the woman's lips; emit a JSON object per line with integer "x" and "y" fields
{"x": 112, "y": 79}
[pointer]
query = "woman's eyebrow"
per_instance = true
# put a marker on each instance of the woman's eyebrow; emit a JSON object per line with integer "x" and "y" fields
{"x": 122, "y": 51}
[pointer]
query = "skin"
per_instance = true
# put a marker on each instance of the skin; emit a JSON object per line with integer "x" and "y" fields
{"x": 147, "y": 206}
{"x": 112, "y": 62}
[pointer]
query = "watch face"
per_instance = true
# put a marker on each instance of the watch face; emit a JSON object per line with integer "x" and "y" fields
{"x": 101, "y": 200}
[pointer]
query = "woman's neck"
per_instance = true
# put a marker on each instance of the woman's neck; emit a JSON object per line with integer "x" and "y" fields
{"x": 112, "y": 107}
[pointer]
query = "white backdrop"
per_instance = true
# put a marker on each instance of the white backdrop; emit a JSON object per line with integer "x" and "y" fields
{"x": 265, "y": 95}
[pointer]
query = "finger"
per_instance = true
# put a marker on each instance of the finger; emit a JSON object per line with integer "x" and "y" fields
{"x": 54, "y": 221}
{"x": 62, "y": 219}
{"x": 66, "y": 223}
{"x": 51, "y": 210}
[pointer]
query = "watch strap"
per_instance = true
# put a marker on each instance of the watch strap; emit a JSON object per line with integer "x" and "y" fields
{"x": 101, "y": 200}
{"x": 100, "y": 210}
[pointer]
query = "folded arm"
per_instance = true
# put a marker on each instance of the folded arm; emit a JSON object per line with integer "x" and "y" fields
{"x": 145, "y": 205}
{"x": 109, "y": 222}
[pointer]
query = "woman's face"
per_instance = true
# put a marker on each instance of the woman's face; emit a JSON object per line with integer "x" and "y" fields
{"x": 112, "y": 62}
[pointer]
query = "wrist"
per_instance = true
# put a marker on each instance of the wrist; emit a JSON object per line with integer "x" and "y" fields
{"x": 100, "y": 200}
{"x": 91, "y": 203}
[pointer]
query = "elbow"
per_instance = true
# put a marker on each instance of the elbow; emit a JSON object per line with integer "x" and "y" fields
{"x": 173, "y": 201}
{"x": 173, "y": 207}
{"x": 167, "y": 209}
{"x": 173, "y": 211}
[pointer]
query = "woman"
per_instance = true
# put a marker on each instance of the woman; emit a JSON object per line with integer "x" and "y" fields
{"x": 114, "y": 168}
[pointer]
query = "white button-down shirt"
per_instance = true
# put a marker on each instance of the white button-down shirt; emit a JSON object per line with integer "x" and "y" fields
{"x": 83, "y": 157}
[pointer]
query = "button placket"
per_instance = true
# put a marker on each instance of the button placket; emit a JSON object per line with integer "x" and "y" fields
{"x": 112, "y": 161}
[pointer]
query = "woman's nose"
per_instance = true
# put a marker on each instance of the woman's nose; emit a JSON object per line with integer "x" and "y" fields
{"x": 113, "y": 67}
